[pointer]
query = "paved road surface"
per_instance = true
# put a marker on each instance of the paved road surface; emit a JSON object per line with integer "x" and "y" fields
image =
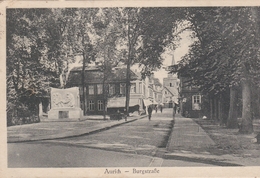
{"x": 40, "y": 155}
{"x": 139, "y": 137}
{"x": 49, "y": 155}
{"x": 137, "y": 144}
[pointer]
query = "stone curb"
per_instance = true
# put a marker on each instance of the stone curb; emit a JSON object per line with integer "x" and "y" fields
{"x": 57, "y": 136}
{"x": 170, "y": 137}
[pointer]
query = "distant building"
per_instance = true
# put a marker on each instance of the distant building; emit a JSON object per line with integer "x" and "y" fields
{"x": 115, "y": 90}
{"x": 157, "y": 91}
{"x": 170, "y": 93}
{"x": 139, "y": 91}
{"x": 151, "y": 90}
{"x": 191, "y": 99}
{"x": 192, "y": 103}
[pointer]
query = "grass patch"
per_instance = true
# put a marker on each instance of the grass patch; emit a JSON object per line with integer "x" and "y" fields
{"x": 229, "y": 141}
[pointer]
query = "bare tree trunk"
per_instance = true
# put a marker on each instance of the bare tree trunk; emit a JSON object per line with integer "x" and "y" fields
{"x": 247, "y": 124}
{"x": 127, "y": 89}
{"x": 255, "y": 102}
{"x": 128, "y": 68}
{"x": 220, "y": 116}
{"x": 257, "y": 112}
{"x": 83, "y": 84}
{"x": 232, "y": 114}
{"x": 211, "y": 107}
{"x": 215, "y": 110}
{"x": 104, "y": 96}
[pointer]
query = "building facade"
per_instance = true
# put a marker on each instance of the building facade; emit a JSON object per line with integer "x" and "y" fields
{"x": 99, "y": 93}
{"x": 191, "y": 99}
{"x": 170, "y": 92}
{"x": 139, "y": 91}
{"x": 152, "y": 89}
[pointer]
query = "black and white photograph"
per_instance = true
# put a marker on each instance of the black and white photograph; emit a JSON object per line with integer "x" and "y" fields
{"x": 132, "y": 90}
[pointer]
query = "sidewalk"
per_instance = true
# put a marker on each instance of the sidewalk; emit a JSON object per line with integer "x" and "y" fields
{"x": 46, "y": 130}
{"x": 188, "y": 141}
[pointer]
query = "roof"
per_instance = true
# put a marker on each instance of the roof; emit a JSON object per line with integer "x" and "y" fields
{"x": 138, "y": 74}
{"x": 95, "y": 75}
{"x": 172, "y": 90}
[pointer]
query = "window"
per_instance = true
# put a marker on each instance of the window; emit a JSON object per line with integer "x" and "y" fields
{"x": 150, "y": 92}
{"x": 196, "y": 98}
{"x": 99, "y": 89}
{"x": 133, "y": 88}
{"x": 100, "y": 105}
{"x": 80, "y": 91}
{"x": 91, "y": 105}
{"x": 112, "y": 90}
{"x": 140, "y": 87}
{"x": 91, "y": 89}
{"x": 122, "y": 88}
{"x": 196, "y": 102}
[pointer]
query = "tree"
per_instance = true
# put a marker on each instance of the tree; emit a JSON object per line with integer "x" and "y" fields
{"x": 28, "y": 72}
{"x": 81, "y": 40}
{"x": 37, "y": 53}
{"x": 109, "y": 32}
{"x": 223, "y": 57}
{"x": 57, "y": 25}
{"x": 147, "y": 32}
{"x": 24, "y": 50}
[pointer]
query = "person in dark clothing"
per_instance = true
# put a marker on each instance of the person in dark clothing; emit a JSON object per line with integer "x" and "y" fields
{"x": 175, "y": 108}
{"x": 174, "y": 112}
{"x": 161, "y": 108}
{"x": 150, "y": 112}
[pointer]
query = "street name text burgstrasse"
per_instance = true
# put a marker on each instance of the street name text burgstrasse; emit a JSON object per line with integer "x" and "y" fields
{"x": 147, "y": 171}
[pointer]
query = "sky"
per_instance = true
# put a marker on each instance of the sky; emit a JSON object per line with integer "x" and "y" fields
{"x": 180, "y": 51}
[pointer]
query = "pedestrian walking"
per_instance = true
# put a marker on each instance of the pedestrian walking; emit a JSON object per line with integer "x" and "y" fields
{"x": 150, "y": 112}
{"x": 175, "y": 108}
{"x": 156, "y": 108}
{"x": 173, "y": 113}
{"x": 161, "y": 108}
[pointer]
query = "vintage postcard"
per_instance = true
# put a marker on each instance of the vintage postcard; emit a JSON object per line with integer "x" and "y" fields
{"x": 130, "y": 88}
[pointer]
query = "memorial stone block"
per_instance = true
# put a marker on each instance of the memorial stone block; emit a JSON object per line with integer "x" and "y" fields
{"x": 65, "y": 104}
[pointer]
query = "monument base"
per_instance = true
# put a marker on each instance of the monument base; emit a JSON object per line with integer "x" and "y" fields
{"x": 65, "y": 113}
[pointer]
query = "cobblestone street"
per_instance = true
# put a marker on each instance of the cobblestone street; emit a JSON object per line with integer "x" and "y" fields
{"x": 139, "y": 137}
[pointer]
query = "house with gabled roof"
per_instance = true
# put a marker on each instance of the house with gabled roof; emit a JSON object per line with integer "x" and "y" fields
{"x": 190, "y": 98}
{"x": 94, "y": 94}
{"x": 157, "y": 90}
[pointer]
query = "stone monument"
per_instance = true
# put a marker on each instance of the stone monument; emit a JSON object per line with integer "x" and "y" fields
{"x": 65, "y": 104}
